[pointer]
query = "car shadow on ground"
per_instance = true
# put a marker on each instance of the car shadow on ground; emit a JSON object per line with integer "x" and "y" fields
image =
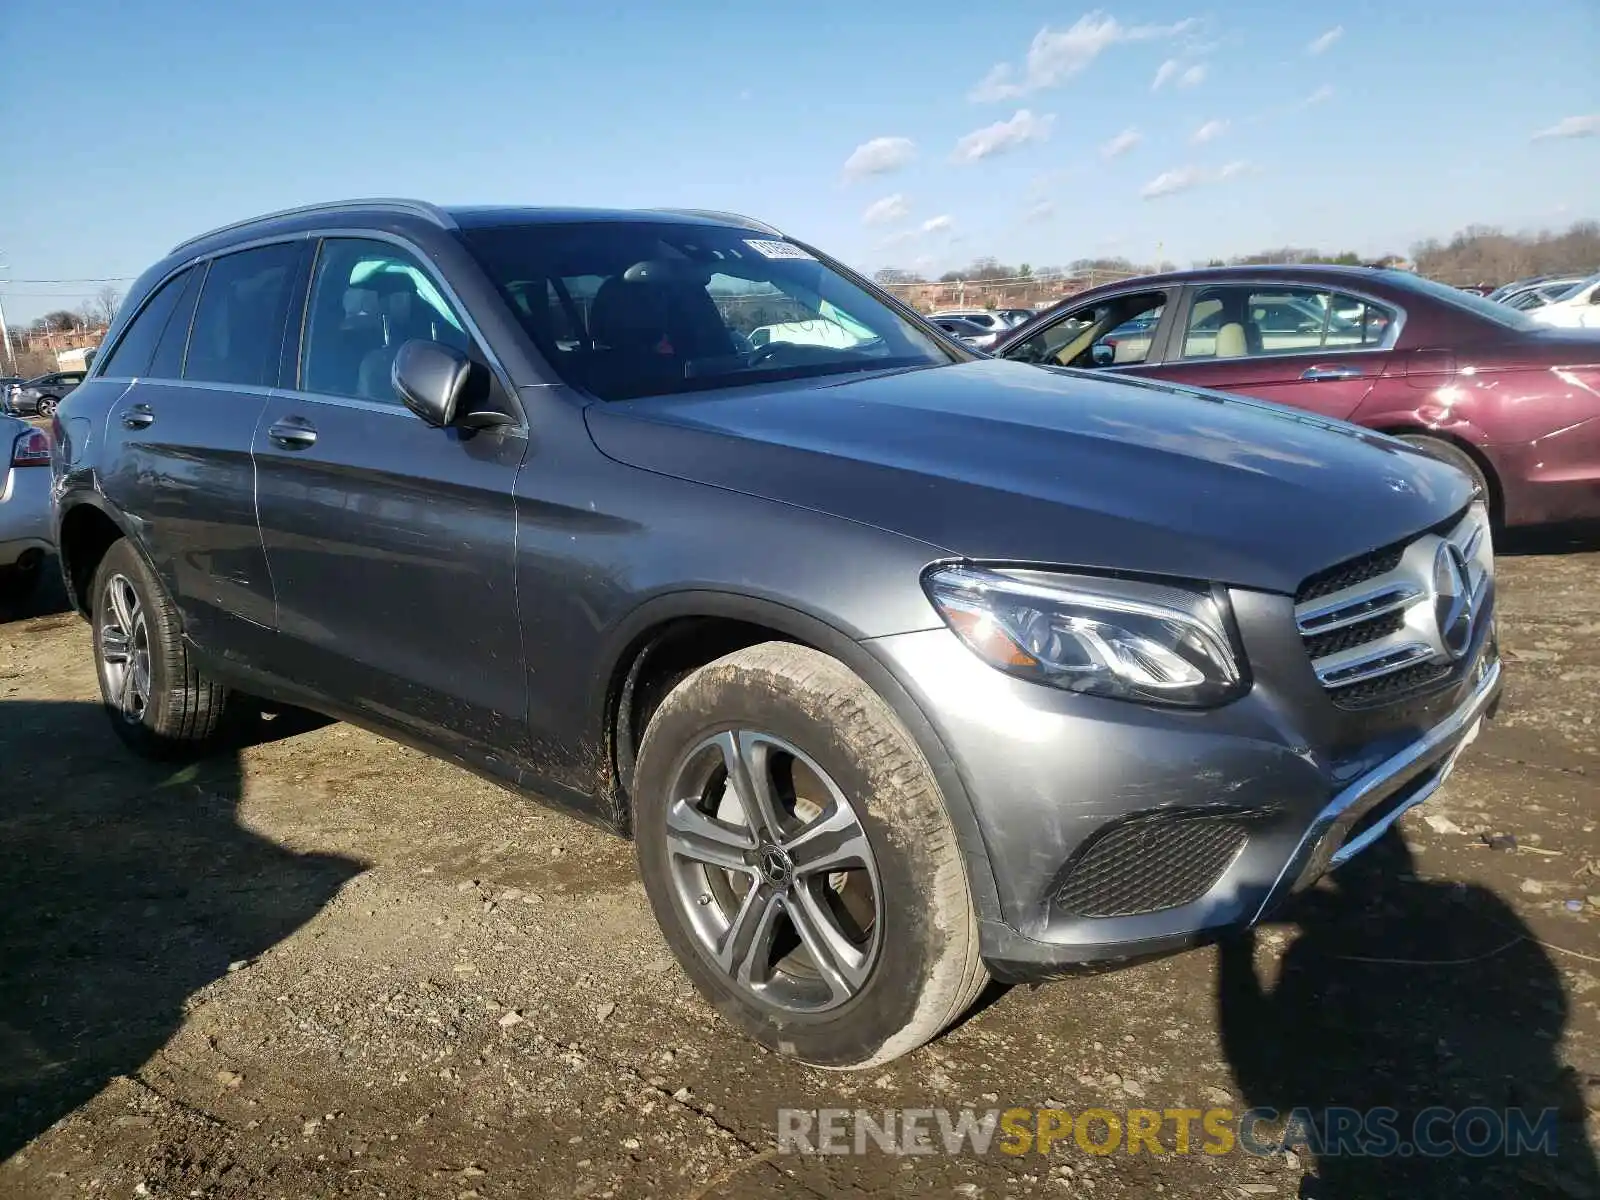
{"x": 46, "y": 599}
{"x": 1408, "y": 994}
{"x": 1573, "y": 538}
{"x": 125, "y": 887}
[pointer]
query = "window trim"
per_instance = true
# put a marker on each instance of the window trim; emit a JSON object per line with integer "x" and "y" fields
{"x": 429, "y": 268}
{"x": 1194, "y": 288}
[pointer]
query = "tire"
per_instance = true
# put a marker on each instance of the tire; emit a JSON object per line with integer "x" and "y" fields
{"x": 179, "y": 710}
{"x": 1449, "y": 452}
{"x": 841, "y": 761}
{"x": 47, "y": 406}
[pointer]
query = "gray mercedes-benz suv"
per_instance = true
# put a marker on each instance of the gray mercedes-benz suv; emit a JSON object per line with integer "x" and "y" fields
{"x": 902, "y": 666}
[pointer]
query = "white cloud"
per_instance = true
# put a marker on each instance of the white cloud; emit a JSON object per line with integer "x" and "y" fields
{"x": 1209, "y": 132}
{"x": 1041, "y": 211}
{"x": 880, "y": 155}
{"x": 1321, "y": 96}
{"x": 882, "y": 212}
{"x": 1165, "y": 74}
{"x": 1054, "y": 56}
{"x": 1182, "y": 179}
{"x": 1324, "y": 41}
{"x": 1194, "y": 76}
{"x": 1002, "y": 136}
{"x": 1571, "y": 127}
{"x": 943, "y": 223}
{"x": 1121, "y": 144}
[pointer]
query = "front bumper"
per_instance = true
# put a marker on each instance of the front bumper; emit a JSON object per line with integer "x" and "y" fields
{"x": 1049, "y": 773}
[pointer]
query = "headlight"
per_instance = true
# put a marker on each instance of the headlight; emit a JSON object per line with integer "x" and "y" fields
{"x": 1159, "y": 643}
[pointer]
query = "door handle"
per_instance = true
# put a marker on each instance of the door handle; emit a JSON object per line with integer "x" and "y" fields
{"x": 1316, "y": 374}
{"x": 293, "y": 434}
{"x": 140, "y": 416}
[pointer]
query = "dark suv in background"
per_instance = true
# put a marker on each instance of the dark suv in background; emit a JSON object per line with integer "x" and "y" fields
{"x": 901, "y": 665}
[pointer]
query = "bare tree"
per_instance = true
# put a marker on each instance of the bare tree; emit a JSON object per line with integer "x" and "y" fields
{"x": 105, "y": 304}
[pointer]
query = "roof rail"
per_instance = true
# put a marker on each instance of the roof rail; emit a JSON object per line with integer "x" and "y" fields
{"x": 731, "y": 218}
{"x": 414, "y": 208}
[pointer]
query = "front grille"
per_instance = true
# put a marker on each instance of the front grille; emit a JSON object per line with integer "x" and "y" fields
{"x": 1357, "y": 570}
{"x": 1372, "y": 625}
{"x": 1147, "y": 864}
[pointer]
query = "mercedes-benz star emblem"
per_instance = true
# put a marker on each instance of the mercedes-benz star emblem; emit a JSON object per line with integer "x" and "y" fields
{"x": 1452, "y": 599}
{"x": 775, "y": 866}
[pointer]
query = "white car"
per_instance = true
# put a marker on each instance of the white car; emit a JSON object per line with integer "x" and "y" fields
{"x": 24, "y": 508}
{"x": 1576, "y": 308}
{"x": 993, "y": 322}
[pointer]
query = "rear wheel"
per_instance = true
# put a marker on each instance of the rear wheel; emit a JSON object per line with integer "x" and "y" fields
{"x": 1449, "y": 452}
{"x": 797, "y": 853}
{"x": 159, "y": 704}
{"x": 47, "y": 406}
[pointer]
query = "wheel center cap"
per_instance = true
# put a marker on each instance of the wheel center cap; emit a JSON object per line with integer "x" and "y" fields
{"x": 775, "y": 867}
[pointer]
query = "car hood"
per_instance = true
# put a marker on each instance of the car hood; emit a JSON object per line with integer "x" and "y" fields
{"x": 1008, "y": 462}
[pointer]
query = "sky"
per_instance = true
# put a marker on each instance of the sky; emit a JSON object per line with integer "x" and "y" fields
{"x": 911, "y": 134}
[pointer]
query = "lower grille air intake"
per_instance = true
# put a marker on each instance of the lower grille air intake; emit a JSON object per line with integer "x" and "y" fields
{"x": 1147, "y": 864}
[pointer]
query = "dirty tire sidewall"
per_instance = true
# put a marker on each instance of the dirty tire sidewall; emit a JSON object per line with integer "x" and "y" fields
{"x": 928, "y": 970}
{"x": 185, "y": 709}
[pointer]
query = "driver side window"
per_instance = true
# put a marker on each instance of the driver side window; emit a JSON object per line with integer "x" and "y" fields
{"x": 368, "y": 298}
{"x": 1117, "y": 332}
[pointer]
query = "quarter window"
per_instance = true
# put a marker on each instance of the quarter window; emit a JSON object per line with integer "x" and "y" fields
{"x": 134, "y": 349}
{"x": 1252, "y": 321}
{"x": 238, "y": 326}
{"x": 368, "y": 298}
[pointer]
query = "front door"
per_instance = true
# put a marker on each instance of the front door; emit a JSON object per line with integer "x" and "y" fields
{"x": 392, "y": 543}
{"x": 1303, "y": 346}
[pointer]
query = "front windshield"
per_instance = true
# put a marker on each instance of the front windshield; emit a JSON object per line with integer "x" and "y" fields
{"x": 627, "y": 309}
{"x": 1500, "y": 314}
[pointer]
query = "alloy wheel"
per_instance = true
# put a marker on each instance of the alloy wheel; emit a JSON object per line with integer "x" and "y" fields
{"x": 773, "y": 871}
{"x": 125, "y": 650}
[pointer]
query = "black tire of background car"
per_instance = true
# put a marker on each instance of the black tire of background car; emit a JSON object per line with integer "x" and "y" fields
{"x": 185, "y": 708}
{"x": 1458, "y": 458}
{"x": 47, "y": 406}
{"x": 928, "y": 970}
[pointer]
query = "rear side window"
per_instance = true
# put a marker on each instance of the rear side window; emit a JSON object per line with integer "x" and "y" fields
{"x": 168, "y": 360}
{"x": 133, "y": 351}
{"x": 238, "y": 327}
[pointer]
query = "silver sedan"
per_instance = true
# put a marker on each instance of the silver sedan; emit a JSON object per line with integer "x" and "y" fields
{"x": 24, "y": 507}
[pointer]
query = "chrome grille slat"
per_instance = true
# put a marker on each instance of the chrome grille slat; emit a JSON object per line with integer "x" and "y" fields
{"x": 1384, "y": 610}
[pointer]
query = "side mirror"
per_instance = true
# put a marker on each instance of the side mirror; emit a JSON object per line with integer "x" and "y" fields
{"x": 1102, "y": 355}
{"x": 430, "y": 379}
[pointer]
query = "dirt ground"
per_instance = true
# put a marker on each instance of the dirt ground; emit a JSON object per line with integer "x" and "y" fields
{"x": 325, "y": 965}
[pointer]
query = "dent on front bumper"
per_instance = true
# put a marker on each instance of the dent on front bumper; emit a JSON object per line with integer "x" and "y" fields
{"x": 1049, "y": 773}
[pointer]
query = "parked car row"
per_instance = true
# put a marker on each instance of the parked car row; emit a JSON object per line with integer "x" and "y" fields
{"x": 901, "y": 664}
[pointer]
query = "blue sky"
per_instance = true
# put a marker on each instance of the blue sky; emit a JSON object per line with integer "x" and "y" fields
{"x": 1363, "y": 125}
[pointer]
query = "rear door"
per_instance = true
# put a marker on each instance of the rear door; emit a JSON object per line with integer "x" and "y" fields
{"x": 392, "y": 543}
{"x": 1301, "y": 345}
{"x": 179, "y": 438}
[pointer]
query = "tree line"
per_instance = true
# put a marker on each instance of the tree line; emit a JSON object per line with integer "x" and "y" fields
{"x": 1478, "y": 254}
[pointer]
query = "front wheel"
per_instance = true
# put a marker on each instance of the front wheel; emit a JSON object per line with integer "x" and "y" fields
{"x": 159, "y": 704}
{"x": 797, "y": 853}
{"x": 47, "y": 406}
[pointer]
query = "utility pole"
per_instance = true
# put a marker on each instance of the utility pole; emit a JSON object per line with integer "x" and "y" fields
{"x": 5, "y": 330}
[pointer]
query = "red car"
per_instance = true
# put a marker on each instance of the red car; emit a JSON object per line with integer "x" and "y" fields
{"x": 1514, "y": 404}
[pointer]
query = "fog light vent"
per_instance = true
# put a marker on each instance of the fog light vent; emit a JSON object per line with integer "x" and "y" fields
{"x": 1150, "y": 863}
